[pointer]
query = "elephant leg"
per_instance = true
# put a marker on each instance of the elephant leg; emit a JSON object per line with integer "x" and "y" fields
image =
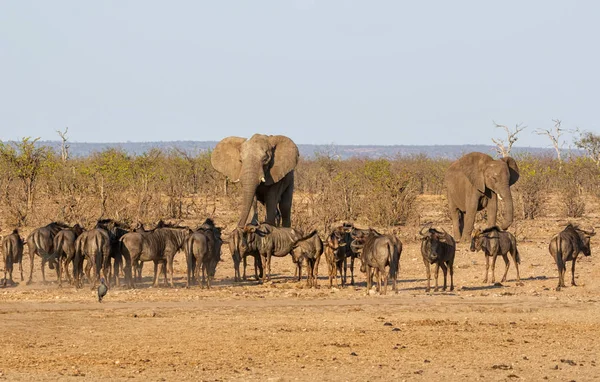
{"x": 285, "y": 206}
{"x": 469, "y": 217}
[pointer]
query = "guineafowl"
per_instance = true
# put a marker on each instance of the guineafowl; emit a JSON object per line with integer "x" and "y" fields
{"x": 102, "y": 289}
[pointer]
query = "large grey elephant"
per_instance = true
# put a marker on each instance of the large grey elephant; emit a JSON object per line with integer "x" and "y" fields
{"x": 475, "y": 182}
{"x": 264, "y": 164}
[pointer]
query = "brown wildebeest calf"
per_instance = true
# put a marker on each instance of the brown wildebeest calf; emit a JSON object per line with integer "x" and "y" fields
{"x": 12, "y": 246}
{"x": 438, "y": 248}
{"x": 566, "y": 246}
{"x": 495, "y": 242}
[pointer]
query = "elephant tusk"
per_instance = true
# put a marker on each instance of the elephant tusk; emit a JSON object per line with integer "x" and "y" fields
{"x": 499, "y": 197}
{"x": 262, "y": 179}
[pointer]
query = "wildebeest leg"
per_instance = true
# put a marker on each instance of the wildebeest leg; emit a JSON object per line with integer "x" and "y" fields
{"x": 352, "y": 270}
{"x": 507, "y": 265}
{"x": 263, "y": 261}
{"x": 170, "y": 269}
{"x": 155, "y": 283}
{"x": 487, "y": 267}
{"x": 437, "y": 272}
{"x": 451, "y": 269}
{"x": 573, "y": 271}
{"x": 494, "y": 268}
{"x": 117, "y": 267}
{"x": 21, "y": 268}
{"x": 316, "y": 272}
{"x": 43, "y": 273}
{"x": 514, "y": 257}
{"x": 369, "y": 280}
{"x": 244, "y": 263}
{"x": 428, "y": 272}
{"x": 32, "y": 253}
{"x": 445, "y": 270}
{"x": 188, "y": 260}
{"x": 269, "y": 256}
{"x": 383, "y": 276}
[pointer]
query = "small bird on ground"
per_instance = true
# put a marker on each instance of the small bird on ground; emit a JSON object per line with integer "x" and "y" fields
{"x": 102, "y": 289}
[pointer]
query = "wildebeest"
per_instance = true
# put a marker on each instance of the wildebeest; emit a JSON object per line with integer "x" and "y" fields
{"x": 203, "y": 251}
{"x": 271, "y": 241}
{"x": 158, "y": 245}
{"x": 566, "y": 246}
{"x": 438, "y": 248}
{"x": 41, "y": 242}
{"x": 12, "y": 248}
{"x": 98, "y": 246}
{"x": 64, "y": 250}
{"x": 239, "y": 253}
{"x": 349, "y": 232}
{"x": 379, "y": 252}
{"x": 495, "y": 242}
{"x": 310, "y": 249}
{"x": 335, "y": 254}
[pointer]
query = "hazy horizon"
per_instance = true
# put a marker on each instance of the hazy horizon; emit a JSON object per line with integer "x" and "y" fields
{"x": 336, "y": 72}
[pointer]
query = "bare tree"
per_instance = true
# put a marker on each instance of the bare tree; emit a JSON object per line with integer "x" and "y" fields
{"x": 64, "y": 147}
{"x": 554, "y": 136}
{"x": 504, "y": 147}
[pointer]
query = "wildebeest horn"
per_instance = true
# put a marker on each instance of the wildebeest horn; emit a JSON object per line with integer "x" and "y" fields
{"x": 422, "y": 229}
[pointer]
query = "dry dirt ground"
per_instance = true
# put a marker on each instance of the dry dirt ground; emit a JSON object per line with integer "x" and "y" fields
{"x": 284, "y": 331}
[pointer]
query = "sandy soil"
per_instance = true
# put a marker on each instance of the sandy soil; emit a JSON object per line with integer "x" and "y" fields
{"x": 284, "y": 331}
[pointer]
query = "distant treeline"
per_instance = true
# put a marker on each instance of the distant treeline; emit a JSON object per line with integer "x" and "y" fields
{"x": 82, "y": 149}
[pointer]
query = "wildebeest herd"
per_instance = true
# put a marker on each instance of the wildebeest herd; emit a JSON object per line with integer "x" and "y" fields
{"x": 111, "y": 251}
{"x": 265, "y": 165}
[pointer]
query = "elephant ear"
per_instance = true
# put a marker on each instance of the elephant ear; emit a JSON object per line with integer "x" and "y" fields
{"x": 513, "y": 170}
{"x": 473, "y": 166}
{"x": 226, "y": 159}
{"x": 285, "y": 157}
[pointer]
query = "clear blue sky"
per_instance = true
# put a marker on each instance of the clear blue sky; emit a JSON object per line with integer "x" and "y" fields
{"x": 344, "y": 72}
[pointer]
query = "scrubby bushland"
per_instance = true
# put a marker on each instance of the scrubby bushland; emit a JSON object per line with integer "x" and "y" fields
{"x": 37, "y": 186}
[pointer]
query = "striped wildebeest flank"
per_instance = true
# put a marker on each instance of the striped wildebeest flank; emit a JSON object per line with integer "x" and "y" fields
{"x": 378, "y": 253}
{"x": 438, "y": 247}
{"x": 309, "y": 249}
{"x": 495, "y": 242}
{"x": 12, "y": 248}
{"x": 566, "y": 246}
{"x": 203, "y": 252}
{"x": 239, "y": 253}
{"x": 271, "y": 241}
{"x": 159, "y": 245}
{"x": 41, "y": 242}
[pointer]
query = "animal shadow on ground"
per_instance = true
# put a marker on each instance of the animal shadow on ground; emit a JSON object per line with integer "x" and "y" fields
{"x": 8, "y": 284}
{"x": 483, "y": 287}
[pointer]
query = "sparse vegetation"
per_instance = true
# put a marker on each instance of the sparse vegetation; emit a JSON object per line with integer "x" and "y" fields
{"x": 39, "y": 185}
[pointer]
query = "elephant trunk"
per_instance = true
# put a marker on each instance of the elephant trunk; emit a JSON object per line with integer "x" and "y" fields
{"x": 507, "y": 213}
{"x": 250, "y": 179}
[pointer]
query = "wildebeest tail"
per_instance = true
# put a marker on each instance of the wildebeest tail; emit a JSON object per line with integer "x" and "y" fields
{"x": 517, "y": 256}
{"x": 393, "y": 259}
